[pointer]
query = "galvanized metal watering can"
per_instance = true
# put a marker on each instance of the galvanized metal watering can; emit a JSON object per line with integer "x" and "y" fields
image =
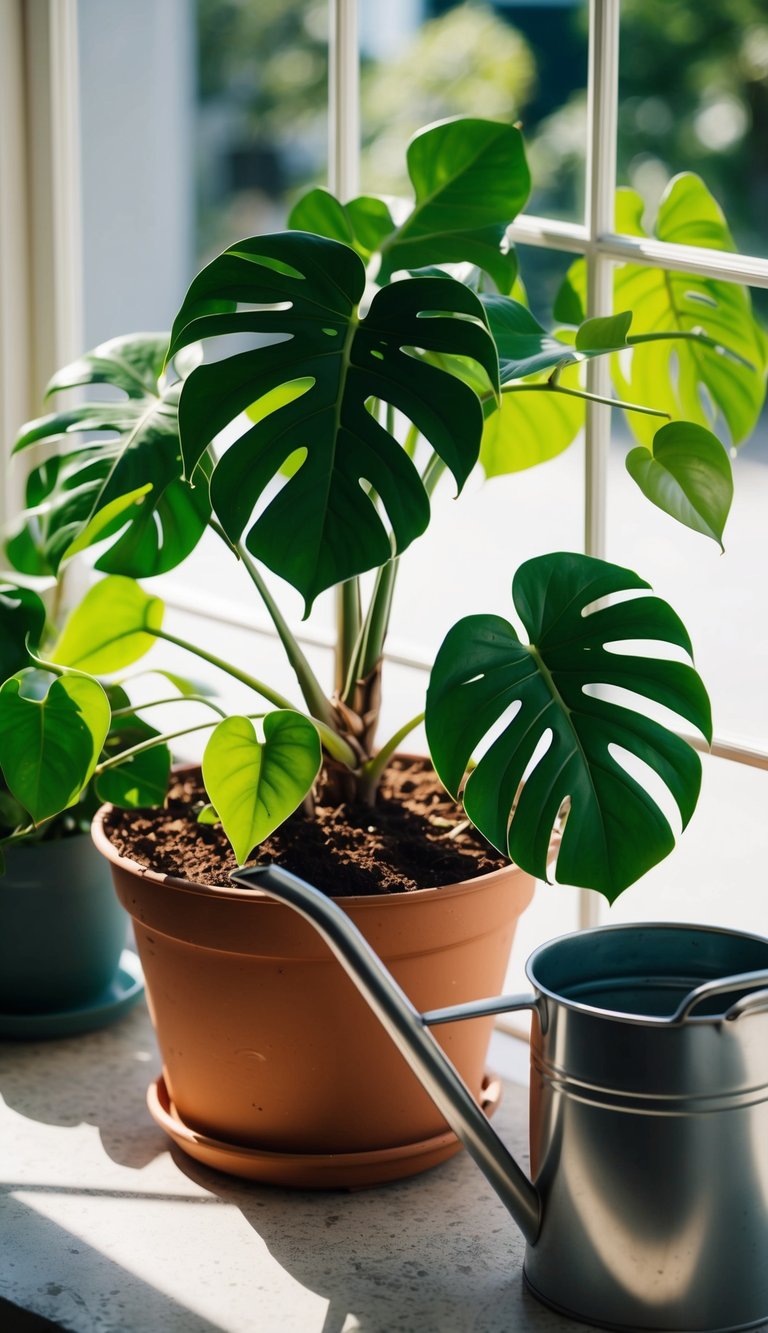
{"x": 649, "y": 1113}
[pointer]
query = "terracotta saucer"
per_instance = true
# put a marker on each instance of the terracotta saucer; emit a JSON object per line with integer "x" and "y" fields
{"x": 311, "y": 1170}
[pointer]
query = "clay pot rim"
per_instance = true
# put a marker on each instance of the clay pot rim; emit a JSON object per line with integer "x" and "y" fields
{"x": 233, "y": 894}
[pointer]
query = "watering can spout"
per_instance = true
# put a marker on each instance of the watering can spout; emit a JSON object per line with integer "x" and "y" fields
{"x": 410, "y": 1031}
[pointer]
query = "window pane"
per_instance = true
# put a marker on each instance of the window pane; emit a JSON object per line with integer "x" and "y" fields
{"x": 694, "y": 97}
{"x": 508, "y": 61}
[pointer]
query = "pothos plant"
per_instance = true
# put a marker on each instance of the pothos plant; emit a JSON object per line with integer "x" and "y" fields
{"x": 387, "y": 343}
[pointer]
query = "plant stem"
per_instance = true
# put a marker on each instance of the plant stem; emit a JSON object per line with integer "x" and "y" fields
{"x": 374, "y": 631}
{"x": 372, "y": 771}
{"x": 279, "y": 700}
{"x": 116, "y": 759}
{"x": 348, "y": 625}
{"x": 333, "y": 743}
{"x": 309, "y": 685}
{"x": 172, "y": 699}
{"x": 582, "y": 393}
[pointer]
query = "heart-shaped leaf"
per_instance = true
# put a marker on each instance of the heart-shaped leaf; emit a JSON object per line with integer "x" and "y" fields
{"x": 327, "y": 522}
{"x": 127, "y": 485}
{"x": 22, "y": 620}
{"x": 52, "y": 729}
{"x": 470, "y": 180}
{"x": 687, "y": 379}
{"x": 688, "y": 475}
{"x": 614, "y": 831}
{"x": 112, "y": 627}
{"x": 254, "y": 785}
{"x": 363, "y": 223}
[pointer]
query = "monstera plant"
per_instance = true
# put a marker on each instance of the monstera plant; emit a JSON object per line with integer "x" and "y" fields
{"x": 362, "y": 354}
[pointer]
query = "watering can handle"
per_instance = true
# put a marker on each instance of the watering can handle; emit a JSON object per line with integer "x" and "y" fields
{"x": 720, "y": 986}
{"x": 409, "y": 1030}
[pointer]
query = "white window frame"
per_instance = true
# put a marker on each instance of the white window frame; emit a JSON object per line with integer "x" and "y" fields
{"x": 40, "y": 224}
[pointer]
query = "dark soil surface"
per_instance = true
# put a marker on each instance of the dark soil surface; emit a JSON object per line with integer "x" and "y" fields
{"x": 405, "y": 842}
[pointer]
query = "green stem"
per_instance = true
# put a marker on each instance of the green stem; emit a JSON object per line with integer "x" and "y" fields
{"x": 371, "y": 771}
{"x": 117, "y": 759}
{"x": 348, "y": 625}
{"x": 374, "y": 632}
{"x": 309, "y": 685}
{"x": 582, "y": 393}
{"x": 410, "y": 441}
{"x": 432, "y": 474}
{"x": 173, "y": 699}
{"x": 333, "y": 743}
{"x": 279, "y": 700}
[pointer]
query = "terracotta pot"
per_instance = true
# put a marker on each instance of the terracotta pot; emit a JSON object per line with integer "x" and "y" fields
{"x": 266, "y": 1044}
{"x": 62, "y": 931}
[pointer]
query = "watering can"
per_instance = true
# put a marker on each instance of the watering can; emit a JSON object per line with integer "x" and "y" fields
{"x": 648, "y": 1207}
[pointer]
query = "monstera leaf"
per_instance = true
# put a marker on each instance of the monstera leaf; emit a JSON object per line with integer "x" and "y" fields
{"x": 555, "y": 688}
{"x": 127, "y": 485}
{"x": 687, "y": 379}
{"x": 326, "y": 524}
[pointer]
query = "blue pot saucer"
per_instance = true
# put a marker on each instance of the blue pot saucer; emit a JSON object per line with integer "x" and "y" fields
{"x": 116, "y": 999}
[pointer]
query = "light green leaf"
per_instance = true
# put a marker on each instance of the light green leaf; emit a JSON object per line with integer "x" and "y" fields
{"x": 614, "y": 831}
{"x": 688, "y": 475}
{"x": 470, "y": 179}
{"x": 256, "y": 785}
{"x": 528, "y": 429}
{"x": 111, "y": 628}
{"x": 52, "y": 729}
{"x": 687, "y": 379}
{"x": 325, "y": 525}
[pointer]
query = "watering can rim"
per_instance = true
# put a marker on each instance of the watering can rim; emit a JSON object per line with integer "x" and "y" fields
{"x": 683, "y": 1013}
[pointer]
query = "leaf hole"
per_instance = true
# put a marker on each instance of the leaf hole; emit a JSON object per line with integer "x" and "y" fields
{"x": 649, "y": 780}
{"x": 701, "y": 299}
{"x": 635, "y": 702}
{"x": 613, "y": 599}
{"x": 377, "y": 354}
{"x": 268, "y": 261}
{"x": 499, "y": 726}
{"x": 648, "y": 648}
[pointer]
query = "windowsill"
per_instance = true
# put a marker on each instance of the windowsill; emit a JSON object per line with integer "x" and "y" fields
{"x": 107, "y": 1230}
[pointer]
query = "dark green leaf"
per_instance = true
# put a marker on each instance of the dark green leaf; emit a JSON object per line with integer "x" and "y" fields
{"x": 51, "y": 732}
{"x": 688, "y": 475}
{"x": 22, "y": 618}
{"x": 363, "y": 223}
{"x": 324, "y": 526}
{"x": 470, "y": 180}
{"x": 615, "y": 831}
{"x": 127, "y": 485}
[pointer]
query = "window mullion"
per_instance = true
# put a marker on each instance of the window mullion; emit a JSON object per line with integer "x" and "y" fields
{"x": 344, "y": 99}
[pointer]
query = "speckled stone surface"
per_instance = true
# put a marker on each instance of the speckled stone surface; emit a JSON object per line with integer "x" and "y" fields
{"x": 106, "y": 1229}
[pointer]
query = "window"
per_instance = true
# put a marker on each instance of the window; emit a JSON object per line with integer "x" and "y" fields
{"x": 141, "y": 134}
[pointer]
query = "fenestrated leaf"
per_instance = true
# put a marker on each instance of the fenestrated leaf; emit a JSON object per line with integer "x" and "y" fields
{"x": 470, "y": 180}
{"x": 362, "y": 223}
{"x": 686, "y": 379}
{"x": 324, "y": 526}
{"x": 615, "y": 831}
{"x": 22, "y": 619}
{"x": 127, "y": 485}
{"x": 52, "y": 729}
{"x": 688, "y": 475}
{"x": 255, "y": 785}
{"x": 110, "y": 628}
